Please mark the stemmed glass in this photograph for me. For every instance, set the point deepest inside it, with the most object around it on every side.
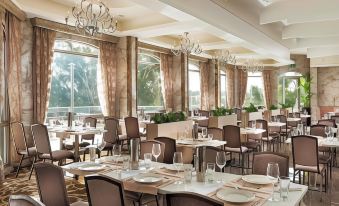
(156, 151)
(273, 174)
(204, 132)
(178, 164)
(327, 131)
(254, 124)
(220, 160)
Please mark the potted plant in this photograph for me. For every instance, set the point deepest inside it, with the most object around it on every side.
(274, 110)
(251, 113)
(305, 92)
(222, 116)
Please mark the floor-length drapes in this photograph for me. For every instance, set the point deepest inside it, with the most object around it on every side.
(166, 67)
(43, 43)
(204, 85)
(230, 86)
(266, 75)
(108, 69)
(242, 82)
(14, 67)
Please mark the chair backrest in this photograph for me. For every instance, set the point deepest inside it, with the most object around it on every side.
(335, 118)
(146, 147)
(217, 133)
(190, 199)
(282, 118)
(112, 127)
(318, 130)
(41, 139)
(204, 113)
(102, 190)
(132, 127)
(19, 137)
(264, 125)
(327, 122)
(170, 148)
(23, 200)
(93, 123)
(294, 114)
(305, 151)
(51, 184)
(211, 154)
(261, 160)
(232, 136)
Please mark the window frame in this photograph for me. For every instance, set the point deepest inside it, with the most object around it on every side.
(189, 69)
(224, 75)
(256, 75)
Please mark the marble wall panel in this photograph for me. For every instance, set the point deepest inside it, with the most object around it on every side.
(328, 86)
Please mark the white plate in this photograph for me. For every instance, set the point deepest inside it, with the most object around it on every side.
(147, 178)
(91, 167)
(173, 168)
(235, 196)
(257, 179)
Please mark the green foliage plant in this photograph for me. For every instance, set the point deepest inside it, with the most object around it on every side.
(305, 90)
(222, 111)
(251, 108)
(273, 107)
(168, 117)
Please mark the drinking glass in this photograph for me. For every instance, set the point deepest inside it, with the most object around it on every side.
(88, 125)
(274, 118)
(92, 153)
(125, 163)
(156, 151)
(116, 154)
(300, 128)
(188, 173)
(148, 160)
(210, 136)
(204, 132)
(254, 124)
(210, 172)
(101, 145)
(221, 162)
(178, 163)
(273, 175)
(284, 187)
(327, 131)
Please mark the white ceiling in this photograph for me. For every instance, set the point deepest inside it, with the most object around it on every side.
(267, 30)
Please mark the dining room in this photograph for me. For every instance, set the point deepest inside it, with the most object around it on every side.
(169, 102)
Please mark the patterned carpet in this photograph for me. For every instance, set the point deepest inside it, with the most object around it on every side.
(21, 185)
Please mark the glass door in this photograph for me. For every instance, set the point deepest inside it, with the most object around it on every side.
(291, 94)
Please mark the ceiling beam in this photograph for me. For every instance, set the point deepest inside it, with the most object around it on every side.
(316, 42)
(331, 61)
(311, 30)
(300, 11)
(218, 45)
(322, 52)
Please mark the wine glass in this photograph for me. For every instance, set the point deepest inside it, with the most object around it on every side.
(220, 160)
(178, 163)
(254, 124)
(273, 175)
(204, 132)
(156, 151)
(327, 131)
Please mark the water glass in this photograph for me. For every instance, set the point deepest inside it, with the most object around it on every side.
(188, 173)
(210, 136)
(204, 132)
(327, 131)
(273, 175)
(178, 163)
(210, 172)
(88, 125)
(284, 187)
(300, 128)
(92, 153)
(125, 163)
(148, 160)
(254, 124)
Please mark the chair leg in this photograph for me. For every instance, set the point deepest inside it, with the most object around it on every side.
(19, 167)
(32, 167)
(299, 177)
(293, 175)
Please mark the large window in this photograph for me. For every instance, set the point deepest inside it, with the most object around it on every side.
(149, 82)
(193, 86)
(288, 90)
(74, 79)
(223, 91)
(255, 90)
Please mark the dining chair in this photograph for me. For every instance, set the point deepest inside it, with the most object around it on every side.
(23, 200)
(132, 127)
(21, 146)
(269, 137)
(335, 118)
(93, 123)
(146, 147)
(203, 123)
(211, 154)
(253, 140)
(51, 185)
(170, 148)
(190, 199)
(285, 130)
(43, 146)
(306, 159)
(216, 132)
(327, 122)
(102, 190)
(318, 130)
(261, 160)
(111, 136)
(233, 139)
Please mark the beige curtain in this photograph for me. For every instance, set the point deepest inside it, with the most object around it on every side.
(43, 43)
(166, 67)
(242, 82)
(204, 103)
(108, 68)
(266, 75)
(230, 86)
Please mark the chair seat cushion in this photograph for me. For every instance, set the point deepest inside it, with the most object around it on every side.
(243, 149)
(32, 151)
(252, 144)
(80, 203)
(310, 168)
(58, 155)
(122, 137)
(267, 139)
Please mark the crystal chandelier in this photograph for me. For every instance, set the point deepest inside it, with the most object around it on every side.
(186, 46)
(93, 16)
(251, 65)
(224, 57)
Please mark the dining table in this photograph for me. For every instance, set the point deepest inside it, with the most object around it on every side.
(167, 178)
(200, 143)
(63, 132)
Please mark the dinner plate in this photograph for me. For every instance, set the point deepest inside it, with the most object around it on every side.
(171, 167)
(91, 167)
(257, 179)
(147, 178)
(235, 196)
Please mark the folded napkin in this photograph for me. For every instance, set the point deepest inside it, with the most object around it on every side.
(131, 185)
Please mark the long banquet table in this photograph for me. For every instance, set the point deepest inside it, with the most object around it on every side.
(167, 186)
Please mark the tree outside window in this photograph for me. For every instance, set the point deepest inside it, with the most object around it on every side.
(255, 90)
(194, 86)
(223, 91)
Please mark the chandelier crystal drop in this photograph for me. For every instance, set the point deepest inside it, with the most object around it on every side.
(224, 57)
(251, 65)
(186, 46)
(92, 17)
